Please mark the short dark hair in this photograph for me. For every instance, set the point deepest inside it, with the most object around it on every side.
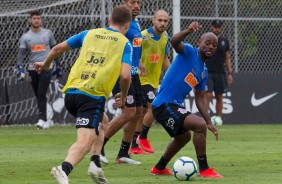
(217, 23)
(35, 12)
(121, 15)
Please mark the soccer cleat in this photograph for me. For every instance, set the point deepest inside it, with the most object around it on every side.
(60, 175)
(46, 124)
(126, 160)
(137, 150)
(40, 124)
(209, 173)
(165, 171)
(97, 174)
(145, 145)
(103, 159)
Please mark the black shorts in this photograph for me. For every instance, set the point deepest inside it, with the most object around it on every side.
(134, 96)
(171, 117)
(87, 110)
(149, 94)
(216, 82)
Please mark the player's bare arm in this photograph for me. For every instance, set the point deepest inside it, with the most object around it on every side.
(142, 69)
(179, 37)
(202, 106)
(53, 54)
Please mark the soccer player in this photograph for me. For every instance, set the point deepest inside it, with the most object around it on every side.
(38, 42)
(134, 100)
(216, 66)
(187, 71)
(105, 55)
(154, 58)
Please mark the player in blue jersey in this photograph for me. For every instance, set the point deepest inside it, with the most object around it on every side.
(187, 72)
(134, 101)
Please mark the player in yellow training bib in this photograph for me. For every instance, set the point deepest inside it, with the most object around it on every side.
(105, 55)
(154, 58)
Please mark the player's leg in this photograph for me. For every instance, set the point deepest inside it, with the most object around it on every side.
(198, 125)
(143, 140)
(172, 149)
(172, 121)
(118, 122)
(90, 112)
(148, 96)
(134, 99)
(128, 133)
(114, 126)
(34, 76)
(219, 89)
(43, 85)
(95, 169)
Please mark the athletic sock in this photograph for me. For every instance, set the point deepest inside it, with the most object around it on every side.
(67, 167)
(123, 151)
(203, 163)
(104, 143)
(96, 160)
(162, 163)
(144, 132)
(134, 143)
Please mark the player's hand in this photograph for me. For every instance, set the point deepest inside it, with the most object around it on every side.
(20, 73)
(142, 69)
(57, 72)
(194, 26)
(119, 100)
(213, 130)
(39, 67)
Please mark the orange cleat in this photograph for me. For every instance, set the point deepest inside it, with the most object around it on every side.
(145, 145)
(209, 173)
(165, 171)
(137, 150)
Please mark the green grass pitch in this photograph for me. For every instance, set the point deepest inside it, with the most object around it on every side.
(244, 154)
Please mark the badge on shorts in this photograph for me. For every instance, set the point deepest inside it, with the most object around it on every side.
(182, 111)
(129, 99)
(151, 95)
(170, 123)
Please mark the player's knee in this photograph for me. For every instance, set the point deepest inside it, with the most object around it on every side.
(202, 126)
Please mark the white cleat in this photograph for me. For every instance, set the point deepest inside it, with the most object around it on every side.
(127, 160)
(47, 124)
(40, 124)
(104, 159)
(97, 174)
(60, 175)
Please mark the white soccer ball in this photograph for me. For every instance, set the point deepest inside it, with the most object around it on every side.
(216, 120)
(184, 168)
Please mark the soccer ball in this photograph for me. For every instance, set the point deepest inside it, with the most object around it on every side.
(184, 168)
(216, 120)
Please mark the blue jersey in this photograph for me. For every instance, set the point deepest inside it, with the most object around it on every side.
(134, 36)
(186, 72)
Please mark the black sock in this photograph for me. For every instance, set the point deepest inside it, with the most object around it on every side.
(96, 160)
(134, 143)
(124, 148)
(103, 150)
(162, 163)
(203, 163)
(67, 167)
(144, 132)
